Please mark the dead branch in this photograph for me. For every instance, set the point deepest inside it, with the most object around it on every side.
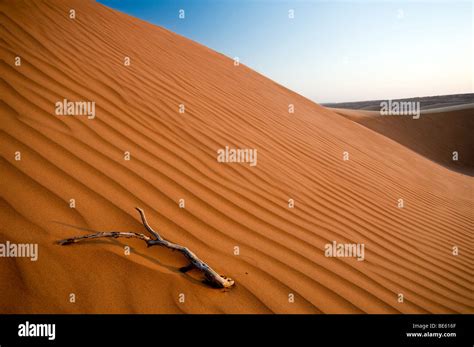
(212, 277)
(114, 234)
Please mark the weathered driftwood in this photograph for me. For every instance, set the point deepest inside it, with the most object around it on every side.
(212, 277)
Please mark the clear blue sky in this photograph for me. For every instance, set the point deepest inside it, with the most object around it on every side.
(333, 51)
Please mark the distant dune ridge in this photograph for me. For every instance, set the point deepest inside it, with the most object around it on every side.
(436, 134)
(236, 216)
(426, 102)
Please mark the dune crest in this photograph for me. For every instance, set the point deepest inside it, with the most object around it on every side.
(236, 216)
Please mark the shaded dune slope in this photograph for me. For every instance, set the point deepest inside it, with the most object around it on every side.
(435, 135)
(173, 156)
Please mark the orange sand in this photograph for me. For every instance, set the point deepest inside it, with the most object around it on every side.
(173, 156)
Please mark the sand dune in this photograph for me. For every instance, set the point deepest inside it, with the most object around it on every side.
(435, 135)
(173, 156)
(427, 103)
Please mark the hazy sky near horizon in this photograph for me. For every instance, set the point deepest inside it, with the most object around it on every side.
(333, 51)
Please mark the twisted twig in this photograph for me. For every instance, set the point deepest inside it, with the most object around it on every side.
(212, 277)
